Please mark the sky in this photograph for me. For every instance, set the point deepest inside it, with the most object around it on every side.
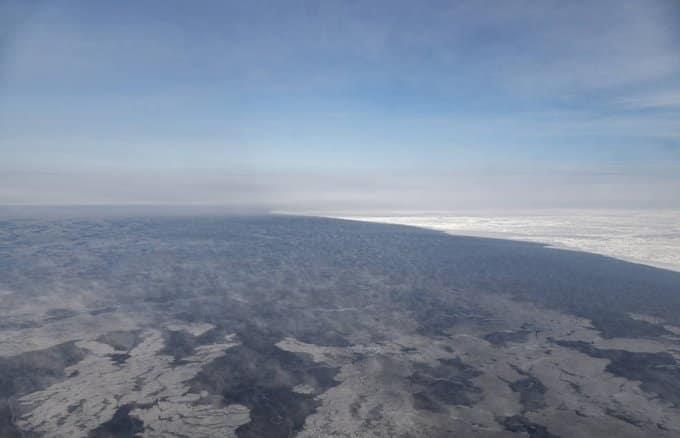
(372, 105)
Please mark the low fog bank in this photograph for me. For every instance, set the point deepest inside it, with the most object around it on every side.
(650, 237)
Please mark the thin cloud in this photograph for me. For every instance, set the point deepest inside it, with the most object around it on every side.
(660, 100)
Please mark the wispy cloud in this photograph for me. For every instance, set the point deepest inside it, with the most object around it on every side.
(660, 100)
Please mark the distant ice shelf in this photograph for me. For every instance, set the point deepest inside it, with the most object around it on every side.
(650, 237)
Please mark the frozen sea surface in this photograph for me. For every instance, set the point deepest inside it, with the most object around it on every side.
(278, 326)
(650, 237)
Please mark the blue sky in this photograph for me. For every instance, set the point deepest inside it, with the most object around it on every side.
(341, 105)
